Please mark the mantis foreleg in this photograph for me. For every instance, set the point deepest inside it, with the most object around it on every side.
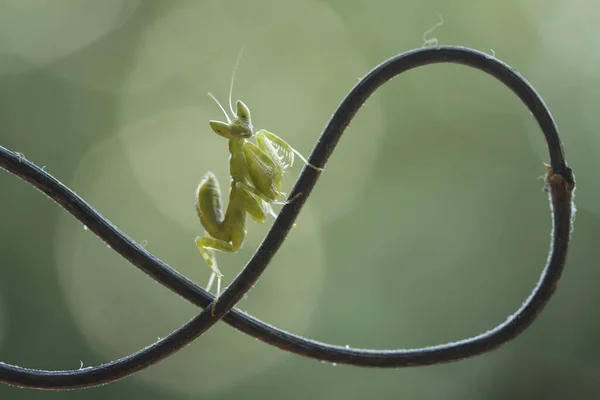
(265, 173)
(267, 141)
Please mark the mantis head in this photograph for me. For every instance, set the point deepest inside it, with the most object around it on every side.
(238, 127)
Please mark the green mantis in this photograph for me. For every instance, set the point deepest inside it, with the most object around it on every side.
(256, 169)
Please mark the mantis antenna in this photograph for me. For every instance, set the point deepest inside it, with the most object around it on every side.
(235, 67)
(212, 96)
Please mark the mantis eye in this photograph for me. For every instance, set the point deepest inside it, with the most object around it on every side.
(221, 128)
(243, 112)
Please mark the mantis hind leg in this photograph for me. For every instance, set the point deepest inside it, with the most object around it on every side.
(218, 233)
(209, 257)
(207, 246)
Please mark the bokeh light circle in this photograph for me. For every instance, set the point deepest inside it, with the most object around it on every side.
(55, 29)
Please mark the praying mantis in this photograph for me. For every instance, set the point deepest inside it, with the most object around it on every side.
(256, 169)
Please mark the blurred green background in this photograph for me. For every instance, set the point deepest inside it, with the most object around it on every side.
(430, 220)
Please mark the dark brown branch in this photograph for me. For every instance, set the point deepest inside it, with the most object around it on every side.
(560, 183)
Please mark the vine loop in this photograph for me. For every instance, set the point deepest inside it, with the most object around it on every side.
(560, 183)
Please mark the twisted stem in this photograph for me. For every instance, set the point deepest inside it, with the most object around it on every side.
(560, 185)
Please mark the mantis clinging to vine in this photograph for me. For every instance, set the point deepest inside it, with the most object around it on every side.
(256, 170)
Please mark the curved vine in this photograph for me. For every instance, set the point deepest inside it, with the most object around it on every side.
(560, 185)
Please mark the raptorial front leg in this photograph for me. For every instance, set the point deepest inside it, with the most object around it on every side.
(253, 190)
(267, 141)
(257, 207)
(265, 172)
